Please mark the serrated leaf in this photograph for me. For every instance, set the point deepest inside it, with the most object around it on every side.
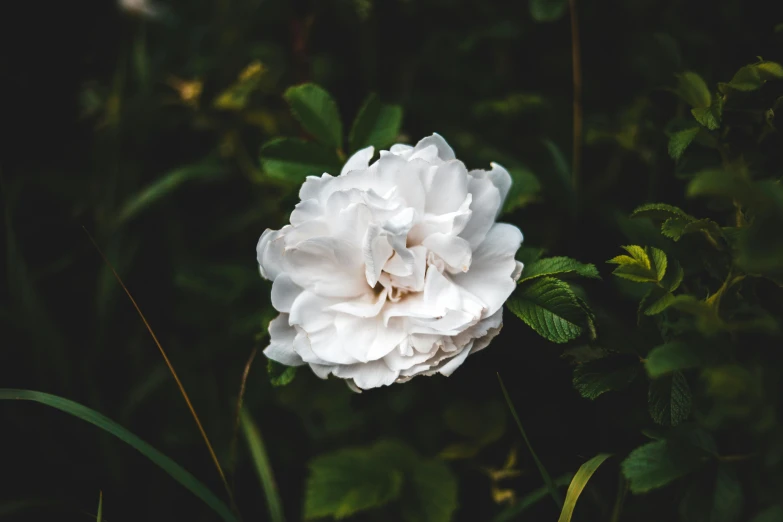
(693, 90)
(293, 160)
(317, 112)
(551, 308)
(658, 463)
(349, 481)
(656, 301)
(528, 255)
(710, 116)
(669, 399)
(279, 374)
(434, 493)
(716, 496)
(547, 10)
(678, 355)
(660, 211)
(613, 373)
(679, 141)
(644, 265)
(376, 124)
(558, 266)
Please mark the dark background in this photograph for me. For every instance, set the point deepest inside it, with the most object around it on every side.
(90, 119)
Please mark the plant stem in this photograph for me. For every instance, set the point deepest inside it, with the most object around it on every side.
(576, 62)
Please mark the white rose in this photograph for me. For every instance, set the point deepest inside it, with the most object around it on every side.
(391, 270)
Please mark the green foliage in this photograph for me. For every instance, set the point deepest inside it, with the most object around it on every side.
(547, 10)
(292, 160)
(354, 480)
(613, 373)
(279, 374)
(559, 267)
(176, 471)
(578, 484)
(260, 459)
(715, 496)
(376, 124)
(753, 77)
(669, 399)
(679, 355)
(644, 265)
(681, 140)
(551, 308)
(693, 90)
(317, 112)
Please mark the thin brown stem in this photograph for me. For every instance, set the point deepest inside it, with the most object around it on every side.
(576, 62)
(240, 398)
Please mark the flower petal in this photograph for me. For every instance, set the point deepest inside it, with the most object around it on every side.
(281, 340)
(359, 160)
(445, 152)
(455, 251)
(284, 292)
(327, 266)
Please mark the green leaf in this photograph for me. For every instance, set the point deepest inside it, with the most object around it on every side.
(613, 373)
(317, 112)
(551, 308)
(351, 480)
(719, 183)
(434, 493)
(669, 399)
(93, 417)
(678, 355)
(376, 124)
(99, 515)
(661, 212)
(679, 141)
(675, 228)
(262, 466)
(547, 10)
(752, 77)
(525, 188)
(558, 266)
(644, 265)
(710, 116)
(715, 497)
(236, 96)
(528, 255)
(293, 160)
(578, 484)
(658, 463)
(483, 422)
(693, 90)
(280, 374)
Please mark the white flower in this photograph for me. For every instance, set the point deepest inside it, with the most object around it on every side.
(391, 270)
(143, 8)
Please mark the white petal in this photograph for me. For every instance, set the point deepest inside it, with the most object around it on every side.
(269, 252)
(485, 205)
(314, 186)
(401, 149)
(306, 210)
(448, 188)
(284, 292)
(445, 152)
(368, 375)
(367, 306)
(281, 340)
(327, 266)
(377, 251)
(490, 274)
(455, 362)
(501, 179)
(455, 251)
(518, 271)
(359, 160)
(309, 311)
(368, 339)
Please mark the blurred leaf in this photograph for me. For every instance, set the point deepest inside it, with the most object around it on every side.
(679, 141)
(237, 95)
(547, 10)
(434, 493)
(93, 417)
(715, 497)
(669, 399)
(317, 112)
(279, 374)
(710, 116)
(612, 373)
(510, 106)
(483, 423)
(293, 160)
(771, 514)
(720, 183)
(528, 255)
(164, 186)
(551, 308)
(525, 188)
(99, 515)
(531, 499)
(644, 265)
(376, 124)
(263, 468)
(677, 355)
(693, 90)
(658, 463)
(578, 484)
(752, 77)
(348, 481)
(558, 266)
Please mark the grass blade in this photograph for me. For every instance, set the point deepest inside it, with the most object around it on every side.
(264, 470)
(99, 516)
(173, 373)
(238, 416)
(578, 484)
(176, 471)
(550, 485)
(530, 499)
